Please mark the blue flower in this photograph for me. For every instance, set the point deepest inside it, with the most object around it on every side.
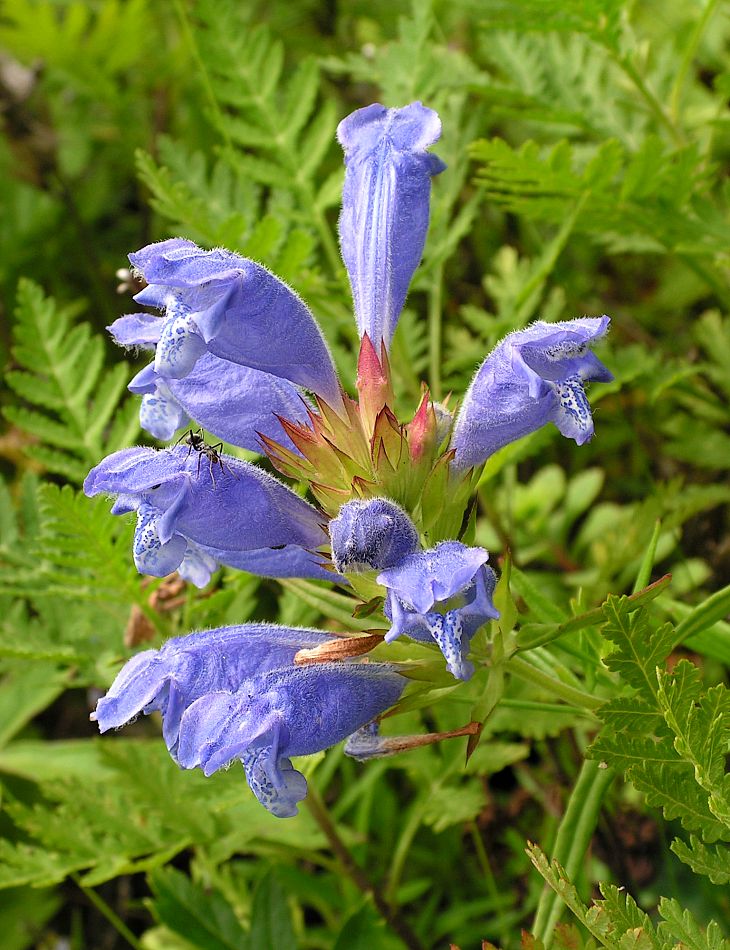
(192, 515)
(233, 402)
(443, 595)
(385, 208)
(220, 303)
(371, 535)
(533, 376)
(235, 693)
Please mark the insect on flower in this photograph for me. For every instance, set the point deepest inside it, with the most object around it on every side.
(196, 443)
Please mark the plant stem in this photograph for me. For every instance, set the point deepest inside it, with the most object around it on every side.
(523, 301)
(651, 100)
(573, 839)
(400, 852)
(356, 874)
(687, 57)
(199, 62)
(569, 694)
(435, 304)
(483, 859)
(114, 919)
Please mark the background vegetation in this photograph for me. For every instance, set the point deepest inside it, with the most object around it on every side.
(587, 147)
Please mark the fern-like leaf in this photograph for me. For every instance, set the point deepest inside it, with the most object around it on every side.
(73, 404)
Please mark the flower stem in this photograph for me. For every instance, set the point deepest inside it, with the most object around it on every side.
(573, 839)
(200, 63)
(688, 56)
(114, 919)
(348, 864)
(569, 694)
(627, 65)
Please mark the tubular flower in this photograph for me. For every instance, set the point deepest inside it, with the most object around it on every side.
(443, 595)
(532, 377)
(190, 517)
(234, 693)
(234, 402)
(385, 208)
(220, 303)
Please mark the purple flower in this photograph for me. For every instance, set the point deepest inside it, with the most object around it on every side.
(233, 402)
(234, 693)
(193, 513)
(533, 376)
(220, 303)
(443, 595)
(385, 208)
(283, 713)
(371, 535)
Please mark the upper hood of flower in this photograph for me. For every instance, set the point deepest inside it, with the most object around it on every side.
(234, 308)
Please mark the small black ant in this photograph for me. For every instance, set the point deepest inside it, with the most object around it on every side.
(196, 443)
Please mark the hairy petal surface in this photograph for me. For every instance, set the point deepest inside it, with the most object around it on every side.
(220, 303)
(235, 403)
(385, 208)
(442, 595)
(170, 679)
(532, 377)
(189, 506)
(283, 713)
(371, 535)
(290, 560)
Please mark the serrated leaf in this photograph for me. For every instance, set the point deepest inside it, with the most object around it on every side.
(447, 806)
(639, 649)
(678, 924)
(711, 860)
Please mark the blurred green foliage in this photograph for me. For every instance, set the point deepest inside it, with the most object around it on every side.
(587, 148)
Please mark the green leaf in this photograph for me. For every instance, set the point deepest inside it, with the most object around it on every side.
(678, 924)
(716, 607)
(271, 924)
(448, 806)
(61, 376)
(711, 860)
(639, 649)
(364, 930)
(24, 692)
(203, 917)
(22, 914)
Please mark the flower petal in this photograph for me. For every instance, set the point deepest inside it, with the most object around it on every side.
(532, 377)
(385, 208)
(283, 713)
(235, 403)
(136, 329)
(443, 595)
(198, 664)
(232, 506)
(237, 310)
(371, 535)
(426, 577)
(287, 561)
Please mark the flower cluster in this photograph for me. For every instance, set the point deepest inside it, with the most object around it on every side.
(239, 354)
